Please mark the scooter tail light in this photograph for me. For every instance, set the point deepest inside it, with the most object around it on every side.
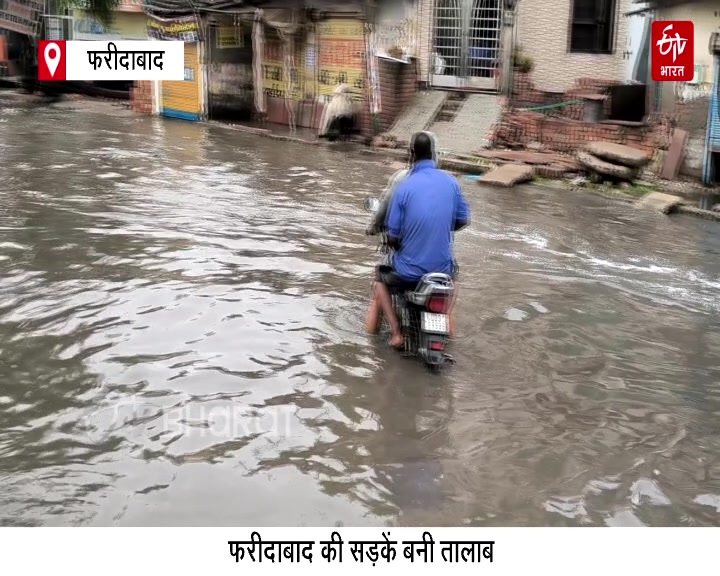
(437, 346)
(438, 304)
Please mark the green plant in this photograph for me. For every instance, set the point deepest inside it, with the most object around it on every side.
(638, 190)
(100, 9)
(522, 62)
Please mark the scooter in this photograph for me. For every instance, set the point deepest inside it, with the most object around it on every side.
(424, 313)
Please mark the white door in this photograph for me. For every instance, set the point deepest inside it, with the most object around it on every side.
(466, 47)
(638, 26)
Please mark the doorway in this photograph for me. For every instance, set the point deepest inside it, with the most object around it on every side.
(467, 43)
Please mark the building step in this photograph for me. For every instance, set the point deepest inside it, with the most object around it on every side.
(419, 115)
(452, 105)
(468, 129)
(457, 96)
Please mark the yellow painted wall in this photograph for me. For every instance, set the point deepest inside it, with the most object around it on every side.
(275, 82)
(184, 96)
(341, 56)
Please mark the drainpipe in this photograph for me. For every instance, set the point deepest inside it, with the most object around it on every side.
(709, 165)
(509, 47)
(654, 93)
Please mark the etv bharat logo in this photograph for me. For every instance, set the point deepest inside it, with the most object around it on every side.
(672, 51)
(667, 43)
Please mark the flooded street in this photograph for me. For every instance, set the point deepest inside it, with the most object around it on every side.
(181, 343)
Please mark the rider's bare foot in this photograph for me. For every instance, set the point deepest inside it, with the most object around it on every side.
(397, 341)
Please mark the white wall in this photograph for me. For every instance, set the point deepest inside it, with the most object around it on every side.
(396, 26)
(706, 17)
(543, 32)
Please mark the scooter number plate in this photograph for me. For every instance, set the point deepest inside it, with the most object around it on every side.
(435, 323)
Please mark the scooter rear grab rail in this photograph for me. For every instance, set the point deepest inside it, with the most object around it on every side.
(431, 284)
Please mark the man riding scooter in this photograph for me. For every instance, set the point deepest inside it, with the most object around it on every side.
(423, 211)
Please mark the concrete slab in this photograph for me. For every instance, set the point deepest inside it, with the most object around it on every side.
(619, 154)
(507, 175)
(660, 202)
(595, 164)
(675, 155)
(419, 115)
(529, 157)
(468, 132)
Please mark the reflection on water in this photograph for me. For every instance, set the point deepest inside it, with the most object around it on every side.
(708, 201)
(181, 312)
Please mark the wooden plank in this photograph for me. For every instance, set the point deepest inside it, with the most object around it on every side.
(675, 155)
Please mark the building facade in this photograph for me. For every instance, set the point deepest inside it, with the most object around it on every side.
(129, 23)
(229, 70)
(64, 23)
(690, 103)
(182, 99)
(281, 63)
(461, 43)
(469, 44)
(571, 39)
(705, 16)
(694, 104)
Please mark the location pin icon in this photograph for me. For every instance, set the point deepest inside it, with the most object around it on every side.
(52, 57)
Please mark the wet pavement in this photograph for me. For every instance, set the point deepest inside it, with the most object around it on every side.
(181, 314)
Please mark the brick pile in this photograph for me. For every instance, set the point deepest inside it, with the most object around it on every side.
(519, 128)
(141, 97)
(526, 95)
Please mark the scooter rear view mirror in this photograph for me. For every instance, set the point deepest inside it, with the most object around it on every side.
(372, 204)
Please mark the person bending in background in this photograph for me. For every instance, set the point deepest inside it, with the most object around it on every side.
(425, 210)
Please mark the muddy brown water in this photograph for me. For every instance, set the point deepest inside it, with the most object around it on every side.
(181, 312)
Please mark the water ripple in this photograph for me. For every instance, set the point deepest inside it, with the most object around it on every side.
(181, 312)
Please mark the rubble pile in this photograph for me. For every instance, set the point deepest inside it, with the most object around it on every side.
(607, 161)
(546, 164)
(517, 128)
